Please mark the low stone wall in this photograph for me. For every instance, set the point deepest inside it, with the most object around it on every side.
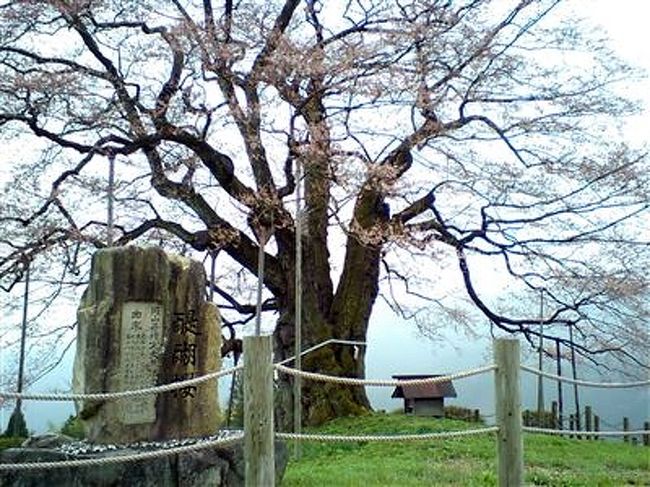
(219, 467)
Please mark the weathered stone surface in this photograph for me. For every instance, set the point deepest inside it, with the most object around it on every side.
(47, 440)
(220, 467)
(144, 321)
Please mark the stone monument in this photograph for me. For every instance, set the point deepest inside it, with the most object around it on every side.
(144, 321)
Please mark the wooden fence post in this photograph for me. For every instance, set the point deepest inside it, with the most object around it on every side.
(597, 426)
(259, 447)
(646, 437)
(571, 423)
(588, 416)
(510, 446)
(626, 427)
(553, 424)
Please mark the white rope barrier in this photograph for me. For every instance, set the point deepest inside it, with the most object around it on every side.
(532, 429)
(383, 383)
(103, 396)
(322, 344)
(604, 385)
(384, 438)
(134, 457)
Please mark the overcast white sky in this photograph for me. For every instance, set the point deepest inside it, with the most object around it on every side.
(626, 22)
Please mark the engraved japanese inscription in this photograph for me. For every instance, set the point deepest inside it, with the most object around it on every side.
(184, 355)
(141, 346)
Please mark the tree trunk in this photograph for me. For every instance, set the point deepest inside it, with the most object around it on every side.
(326, 315)
(321, 401)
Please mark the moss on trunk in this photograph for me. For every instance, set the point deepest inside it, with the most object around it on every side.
(321, 401)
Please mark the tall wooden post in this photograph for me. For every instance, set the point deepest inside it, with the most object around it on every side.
(259, 448)
(596, 426)
(646, 437)
(510, 446)
(626, 427)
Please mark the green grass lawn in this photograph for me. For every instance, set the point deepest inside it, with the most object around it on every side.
(465, 461)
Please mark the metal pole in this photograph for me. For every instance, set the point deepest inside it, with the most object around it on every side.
(111, 186)
(213, 255)
(23, 337)
(575, 377)
(297, 380)
(2, 374)
(260, 282)
(560, 401)
(540, 380)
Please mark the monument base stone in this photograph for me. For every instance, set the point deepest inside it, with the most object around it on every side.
(214, 467)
